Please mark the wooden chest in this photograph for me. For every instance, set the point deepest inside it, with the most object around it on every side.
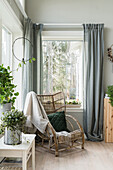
(108, 121)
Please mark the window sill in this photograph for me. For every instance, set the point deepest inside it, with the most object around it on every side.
(73, 105)
(74, 108)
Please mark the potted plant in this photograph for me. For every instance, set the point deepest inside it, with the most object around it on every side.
(110, 94)
(73, 103)
(12, 124)
(7, 94)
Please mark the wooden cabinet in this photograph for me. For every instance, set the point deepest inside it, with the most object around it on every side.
(108, 121)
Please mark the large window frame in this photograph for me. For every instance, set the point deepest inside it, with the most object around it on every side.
(8, 51)
(68, 36)
(9, 20)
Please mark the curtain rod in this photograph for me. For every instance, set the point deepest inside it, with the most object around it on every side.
(60, 24)
(64, 24)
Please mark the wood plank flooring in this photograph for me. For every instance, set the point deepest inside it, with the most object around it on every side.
(95, 156)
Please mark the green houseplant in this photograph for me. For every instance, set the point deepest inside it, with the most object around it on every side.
(7, 94)
(110, 94)
(73, 103)
(12, 124)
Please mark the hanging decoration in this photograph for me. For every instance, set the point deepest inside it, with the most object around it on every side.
(110, 53)
(23, 59)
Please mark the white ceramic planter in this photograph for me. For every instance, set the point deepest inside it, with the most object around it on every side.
(12, 137)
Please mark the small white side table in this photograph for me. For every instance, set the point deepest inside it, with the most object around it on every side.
(23, 150)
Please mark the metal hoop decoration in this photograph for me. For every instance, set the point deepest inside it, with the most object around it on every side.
(110, 53)
(23, 60)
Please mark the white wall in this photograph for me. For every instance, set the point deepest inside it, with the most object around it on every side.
(77, 11)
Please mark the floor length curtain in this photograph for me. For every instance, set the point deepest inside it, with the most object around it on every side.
(39, 60)
(93, 81)
(32, 72)
(38, 64)
(27, 69)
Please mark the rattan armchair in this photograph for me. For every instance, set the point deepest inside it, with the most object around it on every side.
(54, 103)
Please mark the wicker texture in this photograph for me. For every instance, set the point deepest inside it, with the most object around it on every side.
(75, 135)
(10, 168)
(54, 103)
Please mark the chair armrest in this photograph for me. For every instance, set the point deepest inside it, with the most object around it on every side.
(77, 122)
(52, 130)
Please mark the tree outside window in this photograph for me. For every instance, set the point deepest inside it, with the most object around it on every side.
(62, 68)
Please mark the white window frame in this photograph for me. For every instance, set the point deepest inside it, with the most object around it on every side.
(62, 35)
(65, 35)
(9, 20)
(4, 27)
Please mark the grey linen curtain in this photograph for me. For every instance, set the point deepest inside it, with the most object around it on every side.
(32, 72)
(27, 76)
(38, 64)
(39, 60)
(93, 81)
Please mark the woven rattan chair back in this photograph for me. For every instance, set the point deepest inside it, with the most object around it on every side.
(53, 102)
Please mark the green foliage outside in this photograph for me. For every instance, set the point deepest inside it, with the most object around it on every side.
(7, 94)
(55, 68)
(62, 68)
(110, 94)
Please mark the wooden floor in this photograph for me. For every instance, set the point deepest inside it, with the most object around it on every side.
(95, 156)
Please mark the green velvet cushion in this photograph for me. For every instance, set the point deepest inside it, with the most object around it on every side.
(58, 121)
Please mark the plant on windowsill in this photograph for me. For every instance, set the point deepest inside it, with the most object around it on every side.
(110, 94)
(73, 103)
(12, 124)
(7, 94)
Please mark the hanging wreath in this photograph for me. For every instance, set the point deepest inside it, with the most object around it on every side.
(23, 59)
(110, 53)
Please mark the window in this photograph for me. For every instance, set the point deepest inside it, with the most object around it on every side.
(6, 47)
(11, 28)
(62, 68)
(7, 60)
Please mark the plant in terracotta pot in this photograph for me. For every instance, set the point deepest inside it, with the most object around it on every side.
(12, 124)
(7, 94)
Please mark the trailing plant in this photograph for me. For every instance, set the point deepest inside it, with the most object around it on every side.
(110, 94)
(25, 62)
(14, 119)
(7, 94)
